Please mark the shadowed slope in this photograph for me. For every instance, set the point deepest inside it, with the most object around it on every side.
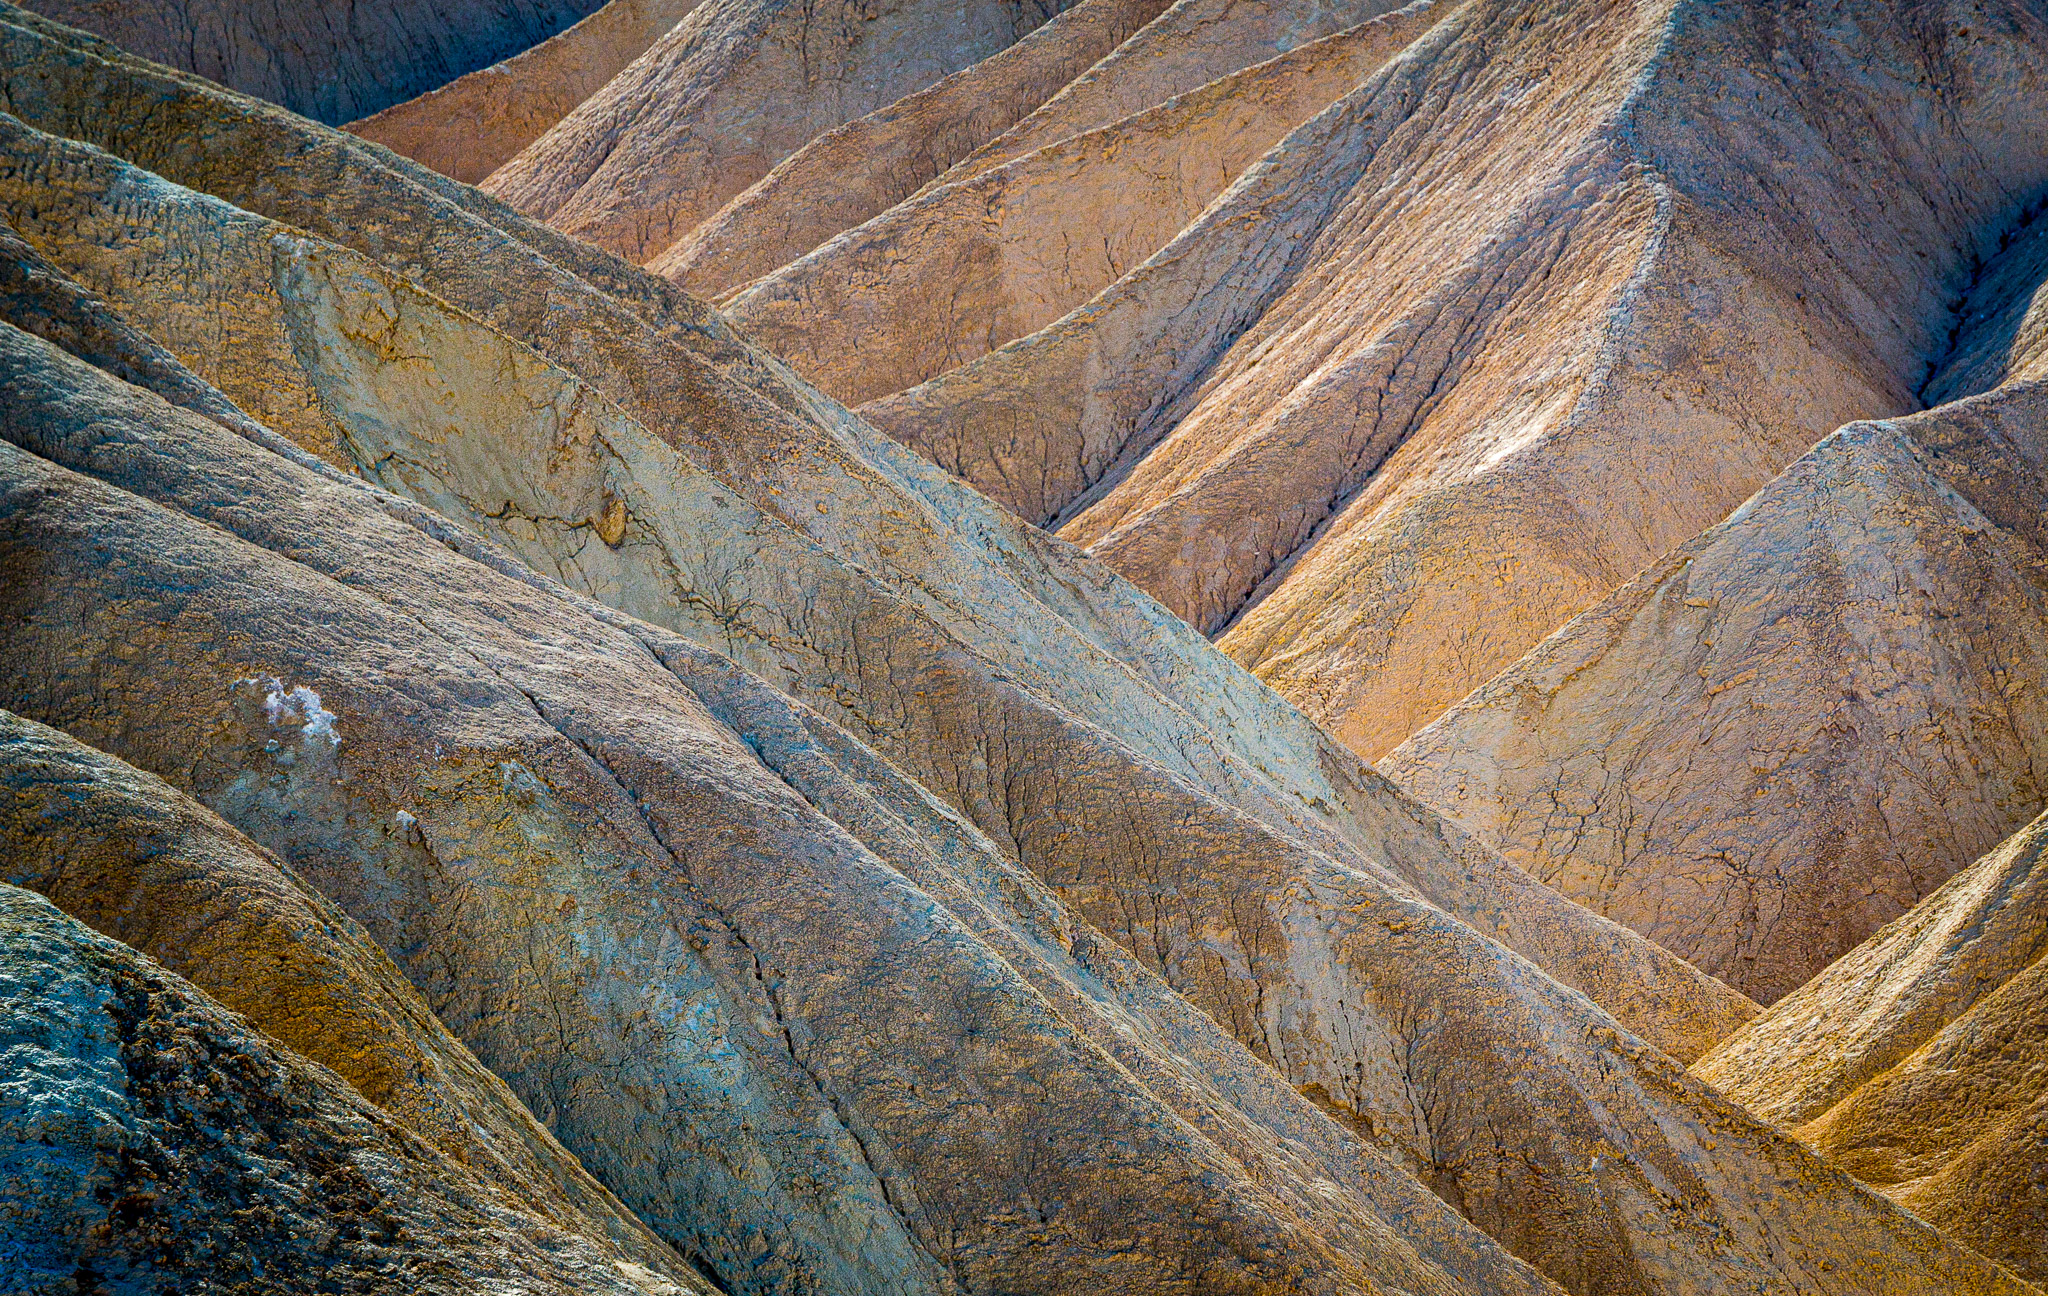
(150, 1140)
(331, 61)
(476, 123)
(141, 863)
(1919, 1061)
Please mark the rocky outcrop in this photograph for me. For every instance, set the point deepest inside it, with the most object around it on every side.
(332, 62)
(729, 92)
(834, 861)
(870, 164)
(966, 267)
(477, 123)
(141, 863)
(150, 1140)
(1430, 379)
(1917, 1060)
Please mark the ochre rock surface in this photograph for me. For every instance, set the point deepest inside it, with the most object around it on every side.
(1918, 1060)
(730, 91)
(151, 1140)
(965, 267)
(141, 863)
(331, 60)
(870, 164)
(1535, 304)
(476, 123)
(834, 862)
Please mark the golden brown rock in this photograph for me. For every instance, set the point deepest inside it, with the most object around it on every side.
(965, 267)
(1531, 307)
(476, 123)
(861, 169)
(1918, 1060)
(730, 91)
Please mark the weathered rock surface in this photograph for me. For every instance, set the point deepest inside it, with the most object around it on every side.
(965, 267)
(141, 863)
(1540, 301)
(1787, 732)
(837, 956)
(870, 164)
(1918, 1060)
(333, 61)
(150, 1140)
(477, 123)
(730, 91)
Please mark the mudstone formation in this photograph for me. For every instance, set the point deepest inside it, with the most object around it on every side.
(1140, 646)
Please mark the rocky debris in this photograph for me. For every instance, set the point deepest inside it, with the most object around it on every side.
(478, 122)
(141, 863)
(1918, 1061)
(747, 480)
(968, 266)
(729, 92)
(835, 957)
(870, 164)
(151, 1140)
(1535, 304)
(330, 61)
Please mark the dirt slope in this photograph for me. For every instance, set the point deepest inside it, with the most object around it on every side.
(1918, 1061)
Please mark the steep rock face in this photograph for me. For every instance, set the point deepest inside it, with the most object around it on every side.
(477, 123)
(1534, 305)
(329, 61)
(139, 862)
(684, 915)
(966, 267)
(1918, 1059)
(744, 482)
(151, 1141)
(1851, 702)
(733, 89)
(870, 164)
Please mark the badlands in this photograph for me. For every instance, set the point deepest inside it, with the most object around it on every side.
(1024, 646)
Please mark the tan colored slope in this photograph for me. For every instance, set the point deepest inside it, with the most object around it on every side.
(476, 123)
(1534, 305)
(863, 168)
(904, 1010)
(152, 1140)
(729, 92)
(142, 864)
(1193, 43)
(829, 951)
(331, 61)
(954, 274)
(2001, 334)
(1918, 1061)
(728, 451)
(1786, 733)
